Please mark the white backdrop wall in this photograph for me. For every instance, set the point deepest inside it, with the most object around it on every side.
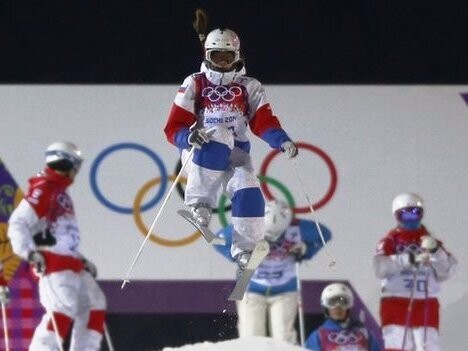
(383, 140)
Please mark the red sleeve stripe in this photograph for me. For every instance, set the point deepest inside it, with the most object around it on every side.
(39, 197)
(178, 119)
(263, 120)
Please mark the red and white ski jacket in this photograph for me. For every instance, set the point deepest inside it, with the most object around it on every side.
(45, 220)
(236, 104)
(402, 282)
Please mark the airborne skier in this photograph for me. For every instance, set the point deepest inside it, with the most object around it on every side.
(225, 101)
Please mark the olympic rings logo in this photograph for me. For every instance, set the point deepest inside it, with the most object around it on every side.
(161, 182)
(221, 92)
(344, 337)
(331, 169)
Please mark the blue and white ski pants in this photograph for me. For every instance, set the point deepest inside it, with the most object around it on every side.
(219, 167)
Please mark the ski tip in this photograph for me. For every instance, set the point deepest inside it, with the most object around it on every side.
(233, 297)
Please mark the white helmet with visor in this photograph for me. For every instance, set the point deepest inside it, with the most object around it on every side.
(406, 200)
(337, 294)
(222, 40)
(408, 210)
(63, 156)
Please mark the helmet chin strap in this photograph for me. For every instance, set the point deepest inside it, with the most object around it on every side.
(220, 78)
(222, 69)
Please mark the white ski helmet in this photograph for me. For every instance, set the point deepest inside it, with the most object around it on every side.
(63, 156)
(406, 200)
(222, 40)
(337, 294)
(278, 216)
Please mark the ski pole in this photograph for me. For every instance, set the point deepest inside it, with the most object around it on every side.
(309, 203)
(108, 338)
(5, 327)
(300, 307)
(410, 307)
(49, 312)
(426, 296)
(150, 230)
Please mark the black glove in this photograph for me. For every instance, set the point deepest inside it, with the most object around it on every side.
(37, 260)
(197, 138)
(90, 267)
(44, 238)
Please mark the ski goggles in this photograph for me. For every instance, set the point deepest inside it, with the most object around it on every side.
(410, 214)
(74, 162)
(338, 301)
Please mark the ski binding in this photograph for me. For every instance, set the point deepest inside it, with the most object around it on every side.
(209, 236)
(261, 250)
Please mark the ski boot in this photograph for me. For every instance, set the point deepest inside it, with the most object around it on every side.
(199, 216)
(242, 260)
(247, 263)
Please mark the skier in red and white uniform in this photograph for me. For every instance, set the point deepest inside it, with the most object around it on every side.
(43, 230)
(412, 264)
(224, 101)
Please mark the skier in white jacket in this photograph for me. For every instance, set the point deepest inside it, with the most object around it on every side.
(270, 305)
(43, 230)
(224, 100)
(411, 264)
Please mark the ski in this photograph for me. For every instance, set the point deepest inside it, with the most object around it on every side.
(261, 250)
(209, 236)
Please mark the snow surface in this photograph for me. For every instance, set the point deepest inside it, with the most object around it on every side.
(254, 343)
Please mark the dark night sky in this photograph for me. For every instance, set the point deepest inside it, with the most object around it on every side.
(284, 42)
